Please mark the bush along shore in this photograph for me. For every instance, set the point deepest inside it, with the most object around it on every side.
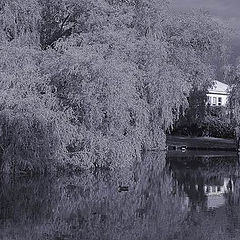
(91, 84)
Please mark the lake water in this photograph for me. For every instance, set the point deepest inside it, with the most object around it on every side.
(176, 197)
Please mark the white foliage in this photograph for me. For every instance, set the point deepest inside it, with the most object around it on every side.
(118, 83)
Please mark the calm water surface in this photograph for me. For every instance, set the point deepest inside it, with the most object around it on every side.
(164, 197)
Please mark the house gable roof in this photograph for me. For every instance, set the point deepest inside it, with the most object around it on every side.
(219, 87)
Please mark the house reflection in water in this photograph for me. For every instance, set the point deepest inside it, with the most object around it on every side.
(216, 193)
(206, 185)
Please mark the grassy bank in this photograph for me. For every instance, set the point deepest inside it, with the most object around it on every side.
(202, 143)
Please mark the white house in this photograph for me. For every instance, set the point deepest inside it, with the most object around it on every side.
(218, 94)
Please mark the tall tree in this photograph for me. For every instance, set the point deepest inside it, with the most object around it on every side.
(115, 72)
(19, 21)
(232, 75)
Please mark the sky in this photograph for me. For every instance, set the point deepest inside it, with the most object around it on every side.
(227, 11)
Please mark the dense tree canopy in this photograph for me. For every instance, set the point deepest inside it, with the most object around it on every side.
(232, 75)
(98, 80)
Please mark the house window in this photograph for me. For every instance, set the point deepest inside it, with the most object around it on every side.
(219, 101)
(214, 101)
(209, 100)
(214, 189)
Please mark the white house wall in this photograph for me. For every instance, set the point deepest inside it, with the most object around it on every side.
(224, 98)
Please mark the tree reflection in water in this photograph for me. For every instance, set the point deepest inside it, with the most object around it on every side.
(210, 186)
(161, 201)
(206, 183)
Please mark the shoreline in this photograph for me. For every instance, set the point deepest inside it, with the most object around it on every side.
(200, 143)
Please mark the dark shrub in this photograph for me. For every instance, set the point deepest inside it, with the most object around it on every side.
(216, 123)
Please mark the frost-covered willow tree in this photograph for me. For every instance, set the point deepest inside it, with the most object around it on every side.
(32, 129)
(104, 79)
